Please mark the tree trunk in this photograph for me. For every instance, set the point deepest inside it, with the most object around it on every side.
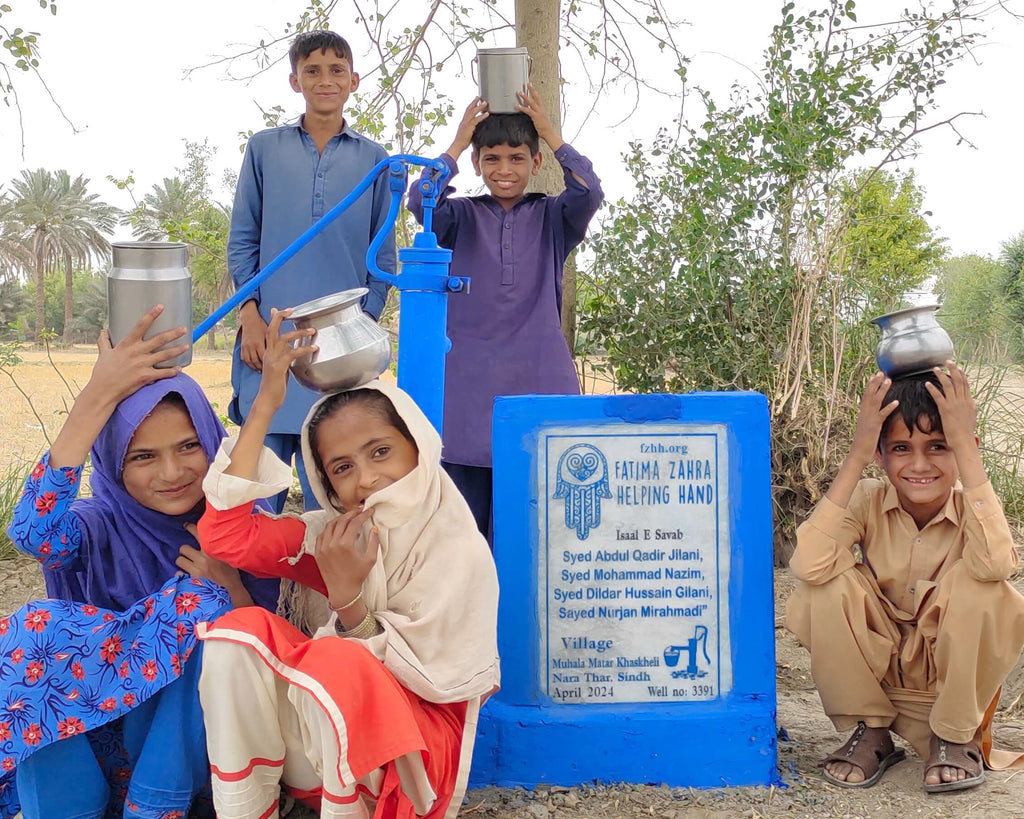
(69, 294)
(40, 295)
(537, 25)
(537, 28)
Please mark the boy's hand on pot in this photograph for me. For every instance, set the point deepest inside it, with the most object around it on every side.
(278, 357)
(957, 407)
(345, 555)
(119, 371)
(531, 105)
(870, 417)
(476, 113)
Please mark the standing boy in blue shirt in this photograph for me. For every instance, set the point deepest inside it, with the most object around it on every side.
(506, 333)
(290, 177)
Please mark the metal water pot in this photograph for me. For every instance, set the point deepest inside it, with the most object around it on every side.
(143, 275)
(353, 348)
(912, 342)
(503, 73)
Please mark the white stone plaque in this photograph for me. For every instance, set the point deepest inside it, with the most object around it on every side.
(633, 575)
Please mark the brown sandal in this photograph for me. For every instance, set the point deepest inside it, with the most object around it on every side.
(967, 757)
(873, 761)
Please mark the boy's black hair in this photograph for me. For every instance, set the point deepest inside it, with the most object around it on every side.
(916, 408)
(376, 403)
(506, 129)
(309, 41)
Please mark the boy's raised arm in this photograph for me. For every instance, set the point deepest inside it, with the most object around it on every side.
(865, 442)
(476, 112)
(959, 413)
(989, 552)
(825, 540)
(531, 105)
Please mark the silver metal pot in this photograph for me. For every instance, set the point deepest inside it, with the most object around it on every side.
(912, 342)
(143, 275)
(503, 73)
(353, 348)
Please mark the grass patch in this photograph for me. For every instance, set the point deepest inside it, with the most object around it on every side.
(1000, 397)
(12, 482)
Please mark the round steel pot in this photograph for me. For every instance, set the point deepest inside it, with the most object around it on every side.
(353, 348)
(912, 342)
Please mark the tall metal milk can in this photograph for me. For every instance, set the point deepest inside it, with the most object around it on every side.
(503, 73)
(144, 274)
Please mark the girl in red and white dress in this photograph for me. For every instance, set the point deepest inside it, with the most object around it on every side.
(375, 713)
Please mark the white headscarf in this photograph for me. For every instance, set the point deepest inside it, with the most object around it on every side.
(434, 588)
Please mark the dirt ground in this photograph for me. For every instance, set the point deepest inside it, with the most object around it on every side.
(805, 735)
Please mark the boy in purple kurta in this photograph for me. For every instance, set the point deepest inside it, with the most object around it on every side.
(506, 333)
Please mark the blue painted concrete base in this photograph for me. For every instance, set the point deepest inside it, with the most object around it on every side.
(633, 541)
(569, 745)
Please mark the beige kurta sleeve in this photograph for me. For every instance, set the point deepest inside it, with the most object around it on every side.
(825, 541)
(989, 553)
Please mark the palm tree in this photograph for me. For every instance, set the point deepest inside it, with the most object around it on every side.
(81, 234)
(14, 257)
(163, 212)
(61, 224)
(180, 211)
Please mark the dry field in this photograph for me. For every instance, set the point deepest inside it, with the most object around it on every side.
(21, 433)
(805, 735)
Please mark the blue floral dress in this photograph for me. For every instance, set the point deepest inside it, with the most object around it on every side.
(97, 689)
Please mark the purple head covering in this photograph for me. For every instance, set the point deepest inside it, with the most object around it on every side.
(128, 550)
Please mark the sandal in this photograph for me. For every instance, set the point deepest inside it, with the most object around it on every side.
(873, 761)
(967, 757)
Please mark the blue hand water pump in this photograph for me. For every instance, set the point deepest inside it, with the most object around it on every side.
(423, 285)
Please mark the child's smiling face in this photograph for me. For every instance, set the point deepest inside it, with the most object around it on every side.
(362, 453)
(165, 464)
(325, 79)
(921, 467)
(506, 171)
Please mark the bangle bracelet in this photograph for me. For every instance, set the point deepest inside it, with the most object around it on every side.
(349, 604)
(367, 628)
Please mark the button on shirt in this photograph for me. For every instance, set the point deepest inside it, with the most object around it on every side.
(285, 186)
(906, 562)
(506, 333)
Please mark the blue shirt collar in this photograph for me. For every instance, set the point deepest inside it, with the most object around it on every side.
(345, 129)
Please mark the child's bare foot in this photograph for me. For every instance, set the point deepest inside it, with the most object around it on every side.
(953, 766)
(861, 762)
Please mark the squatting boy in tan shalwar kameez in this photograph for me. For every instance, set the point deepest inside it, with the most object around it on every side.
(904, 602)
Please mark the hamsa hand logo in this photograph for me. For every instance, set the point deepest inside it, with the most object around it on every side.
(582, 481)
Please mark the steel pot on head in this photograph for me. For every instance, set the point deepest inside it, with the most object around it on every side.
(912, 342)
(143, 275)
(352, 347)
(504, 72)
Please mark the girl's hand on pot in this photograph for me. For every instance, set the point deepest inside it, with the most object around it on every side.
(121, 370)
(278, 357)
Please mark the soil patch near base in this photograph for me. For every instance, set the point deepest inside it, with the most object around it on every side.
(805, 737)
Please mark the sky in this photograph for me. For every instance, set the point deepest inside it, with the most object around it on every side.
(118, 70)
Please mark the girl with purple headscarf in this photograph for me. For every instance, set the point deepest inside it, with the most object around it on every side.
(98, 686)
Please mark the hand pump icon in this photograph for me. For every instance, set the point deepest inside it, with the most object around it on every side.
(691, 672)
